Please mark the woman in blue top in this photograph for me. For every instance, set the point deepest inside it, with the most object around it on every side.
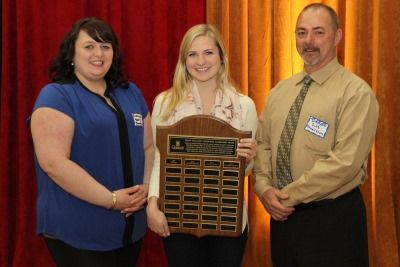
(94, 153)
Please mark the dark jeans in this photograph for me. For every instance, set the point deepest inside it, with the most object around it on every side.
(65, 255)
(329, 233)
(184, 250)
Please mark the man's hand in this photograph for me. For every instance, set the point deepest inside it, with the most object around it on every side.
(271, 200)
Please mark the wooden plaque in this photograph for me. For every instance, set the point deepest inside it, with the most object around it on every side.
(201, 176)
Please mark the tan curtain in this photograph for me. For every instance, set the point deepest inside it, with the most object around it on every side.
(259, 36)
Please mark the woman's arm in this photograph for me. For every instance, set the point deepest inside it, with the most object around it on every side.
(156, 219)
(148, 146)
(247, 147)
(52, 133)
(139, 198)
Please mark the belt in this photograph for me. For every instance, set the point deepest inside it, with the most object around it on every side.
(324, 202)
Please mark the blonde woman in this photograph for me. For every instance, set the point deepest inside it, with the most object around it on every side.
(201, 86)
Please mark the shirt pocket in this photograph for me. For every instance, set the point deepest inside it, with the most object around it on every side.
(318, 134)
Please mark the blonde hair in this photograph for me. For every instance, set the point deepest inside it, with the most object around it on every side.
(182, 79)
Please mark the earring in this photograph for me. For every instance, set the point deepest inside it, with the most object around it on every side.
(72, 64)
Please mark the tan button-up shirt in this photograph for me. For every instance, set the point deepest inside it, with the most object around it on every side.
(333, 138)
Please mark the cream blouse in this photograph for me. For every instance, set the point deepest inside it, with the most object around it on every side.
(235, 108)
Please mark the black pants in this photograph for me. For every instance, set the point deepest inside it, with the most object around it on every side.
(66, 256)
(184, 250)
(329, 233)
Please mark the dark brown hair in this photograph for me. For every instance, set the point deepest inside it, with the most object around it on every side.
(61, 69)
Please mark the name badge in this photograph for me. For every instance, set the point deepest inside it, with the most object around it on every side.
(317, 127)
(137, 119)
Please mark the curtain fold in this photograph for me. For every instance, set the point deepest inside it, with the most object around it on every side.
(149, 33)
(385, 80)
(262, 51)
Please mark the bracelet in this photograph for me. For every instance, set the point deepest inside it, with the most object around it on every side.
(114, 199)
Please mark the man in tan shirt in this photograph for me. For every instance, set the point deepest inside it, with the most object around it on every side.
(317, 211)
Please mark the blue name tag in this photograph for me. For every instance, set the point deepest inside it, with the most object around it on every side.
(317, 127)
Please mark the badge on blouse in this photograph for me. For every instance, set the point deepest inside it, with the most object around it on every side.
(317, 127)
(138, 119)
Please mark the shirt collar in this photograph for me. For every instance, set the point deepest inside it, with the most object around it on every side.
(320, 76)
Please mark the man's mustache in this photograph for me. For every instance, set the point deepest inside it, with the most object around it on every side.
(310, 49)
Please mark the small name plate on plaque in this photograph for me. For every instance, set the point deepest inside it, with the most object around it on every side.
(201, 176)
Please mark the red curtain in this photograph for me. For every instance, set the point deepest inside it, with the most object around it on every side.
(149, 33)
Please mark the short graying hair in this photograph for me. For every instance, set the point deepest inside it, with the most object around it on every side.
(331, 11)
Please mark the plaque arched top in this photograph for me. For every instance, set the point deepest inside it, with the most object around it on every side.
(203, 125)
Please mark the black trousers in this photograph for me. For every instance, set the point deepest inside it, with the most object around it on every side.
(328, 233)
(184, 250)
(65, 255)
